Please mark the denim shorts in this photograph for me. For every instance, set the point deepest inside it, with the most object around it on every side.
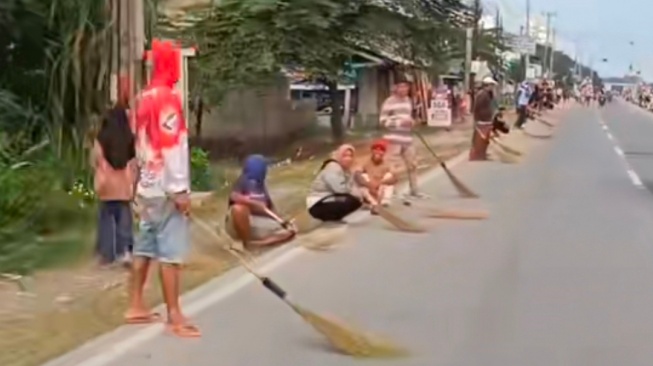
(162, 232)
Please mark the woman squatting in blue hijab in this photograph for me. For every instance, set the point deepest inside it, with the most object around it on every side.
(249, 219)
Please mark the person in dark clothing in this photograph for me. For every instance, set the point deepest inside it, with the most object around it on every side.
(113, 159)
(483, 115)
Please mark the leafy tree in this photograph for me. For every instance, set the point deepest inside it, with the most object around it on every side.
(248, 43)
(564, 67)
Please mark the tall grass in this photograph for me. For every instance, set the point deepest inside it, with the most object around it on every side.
(78, 69)
(45, 138)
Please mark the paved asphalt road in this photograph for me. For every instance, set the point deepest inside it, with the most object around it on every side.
(631, 129)
(561, 274)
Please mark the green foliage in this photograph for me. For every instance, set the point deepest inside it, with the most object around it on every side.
(53, 72)
(32, 204)
(200, 167)
(564, 66)
(515, 70)
(246, 43)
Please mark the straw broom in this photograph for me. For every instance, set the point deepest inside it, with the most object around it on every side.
(439, 213)
(462, 189)
(536, 136)
(505, 147)
(391, 218)
(545, 122)
(500, 149)
(315, 234)
(397, 221)
(504, 157)
(496, 141)
(315, 242)
(324, 238)
(342, 337)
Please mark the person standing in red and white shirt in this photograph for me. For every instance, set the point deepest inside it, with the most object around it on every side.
(163, 190)
(397, 118)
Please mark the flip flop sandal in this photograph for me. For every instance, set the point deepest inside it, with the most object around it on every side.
(144, 319)
(184, 330)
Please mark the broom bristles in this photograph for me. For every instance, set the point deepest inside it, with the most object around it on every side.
(351, 341)
(545, 122)
(547, 136)
(398, 222)
(322, 239)
(506, 158)
(439, 213)
(507, 148)
(462, 189)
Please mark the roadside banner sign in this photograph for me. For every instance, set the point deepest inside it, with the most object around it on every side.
(440, 111)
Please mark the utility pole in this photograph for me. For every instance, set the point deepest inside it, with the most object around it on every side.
(499, 36)
(547, 46)
(527, 59)
(127, 41)
(575, 61)
(553, 43)
(469, 34)
(136, 42)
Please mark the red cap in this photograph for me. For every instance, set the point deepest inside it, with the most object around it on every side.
(380, 144)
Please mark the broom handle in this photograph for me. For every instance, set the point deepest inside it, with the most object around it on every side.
(204, 226)
(430, 149)
(285, 224)
(267, 282)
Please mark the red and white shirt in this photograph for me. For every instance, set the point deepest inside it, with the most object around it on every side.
(162, 144)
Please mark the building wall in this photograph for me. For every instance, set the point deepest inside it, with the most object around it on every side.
(368, 97)
(538, 29)
(374, 86)
(254, 120)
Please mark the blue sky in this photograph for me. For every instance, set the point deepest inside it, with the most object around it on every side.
(600, 29)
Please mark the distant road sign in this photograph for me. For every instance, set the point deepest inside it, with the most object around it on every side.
(524, 45)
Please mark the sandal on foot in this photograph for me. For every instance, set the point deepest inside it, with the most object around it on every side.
(143, 319)
(184, 330)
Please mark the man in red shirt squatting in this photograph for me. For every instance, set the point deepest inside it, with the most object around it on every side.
(163, 190)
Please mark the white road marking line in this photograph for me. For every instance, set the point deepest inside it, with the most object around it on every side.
(635, 178)
(619, 152)
(112, 351)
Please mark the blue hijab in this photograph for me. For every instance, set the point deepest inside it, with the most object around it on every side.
(252, 179)
(255, 168)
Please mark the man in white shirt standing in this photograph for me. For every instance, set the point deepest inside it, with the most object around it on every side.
(397, 118)
(163, 191)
